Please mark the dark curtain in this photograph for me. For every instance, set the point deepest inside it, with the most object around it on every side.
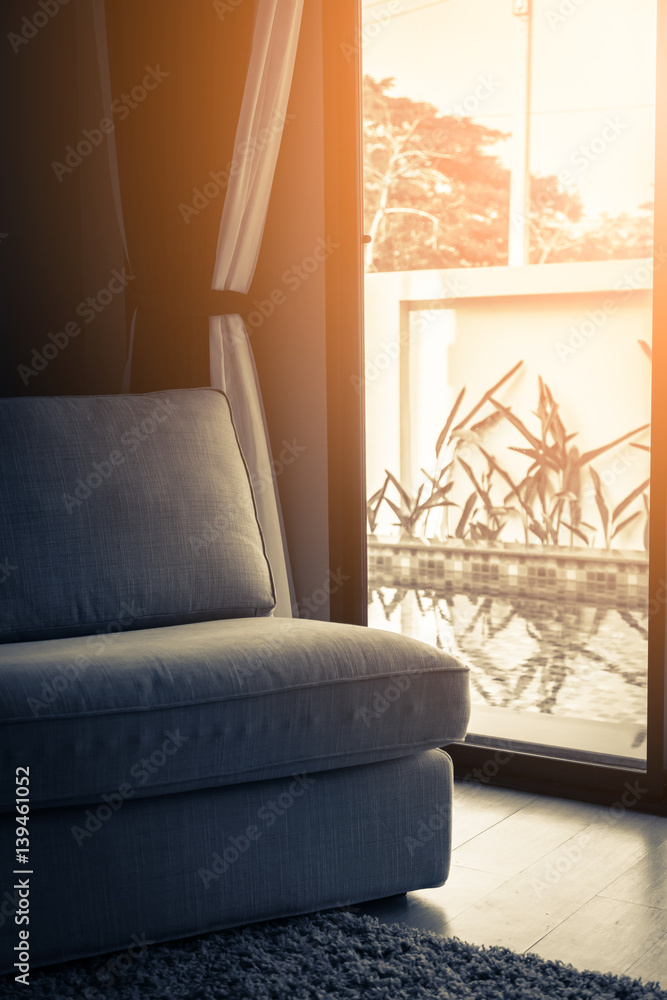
(183, 66)
(40, 220)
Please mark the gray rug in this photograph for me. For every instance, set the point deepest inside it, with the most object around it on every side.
(336, 954)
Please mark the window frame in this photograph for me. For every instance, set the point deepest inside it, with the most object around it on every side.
(588, 781)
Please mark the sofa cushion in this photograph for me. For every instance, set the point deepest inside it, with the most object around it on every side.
(125, 511)
(218, 703)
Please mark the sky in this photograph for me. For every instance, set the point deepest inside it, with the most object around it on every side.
(593, 81)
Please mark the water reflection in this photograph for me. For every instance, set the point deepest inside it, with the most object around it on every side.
(575, 660)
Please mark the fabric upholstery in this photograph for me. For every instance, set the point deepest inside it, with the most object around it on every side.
(219, 703)
(125, 512)
(176, 865)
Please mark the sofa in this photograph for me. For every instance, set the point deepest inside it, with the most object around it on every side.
(175, 759)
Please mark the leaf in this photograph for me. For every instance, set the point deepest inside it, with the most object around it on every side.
(435, 502)
(436, 482)
(590, 455)
(488, 394)
(539, 458)
(624, 524)
(538, 530)
(403, 521)
(480, 489)
(513, 419)
(469, 504)
(437, 488)
(601, 503)
(377, 494)
(487, 423)
(576, 531)
(646, 348)
(542, 485)
(405, 497)
(442, 436)
(618, 510)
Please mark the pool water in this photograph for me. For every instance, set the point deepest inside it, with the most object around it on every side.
(572, 660)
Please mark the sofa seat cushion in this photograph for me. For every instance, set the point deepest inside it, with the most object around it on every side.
(216, 703)
(135, 508)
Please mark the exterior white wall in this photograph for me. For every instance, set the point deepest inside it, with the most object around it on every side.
(576, 325)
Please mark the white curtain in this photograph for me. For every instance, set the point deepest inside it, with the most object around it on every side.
(263, 113)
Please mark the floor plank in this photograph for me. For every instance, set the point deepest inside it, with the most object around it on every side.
(645, 882)
(606, 935)
(479, 807)
(430, 909)
(524, 837)
(531, 904)
(575, 882)
(652, 966)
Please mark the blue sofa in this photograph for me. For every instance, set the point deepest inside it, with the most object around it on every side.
(187, 761)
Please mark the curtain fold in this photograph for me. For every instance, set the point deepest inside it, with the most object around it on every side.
(192, 169)
(261, 122)
(177, 80)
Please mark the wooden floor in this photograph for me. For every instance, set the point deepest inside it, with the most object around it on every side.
(567, 880)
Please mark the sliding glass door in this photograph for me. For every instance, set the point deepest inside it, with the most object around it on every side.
(509, 190)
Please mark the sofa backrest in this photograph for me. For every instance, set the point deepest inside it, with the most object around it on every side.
(125, 512)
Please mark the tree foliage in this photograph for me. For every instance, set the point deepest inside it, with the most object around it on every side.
(436, 195)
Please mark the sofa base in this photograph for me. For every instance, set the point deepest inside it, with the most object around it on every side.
(154, 869)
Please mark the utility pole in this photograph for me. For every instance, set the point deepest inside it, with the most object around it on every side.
(519, 235)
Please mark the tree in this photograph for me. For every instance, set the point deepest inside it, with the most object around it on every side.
(437, 196)
(433, 196)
